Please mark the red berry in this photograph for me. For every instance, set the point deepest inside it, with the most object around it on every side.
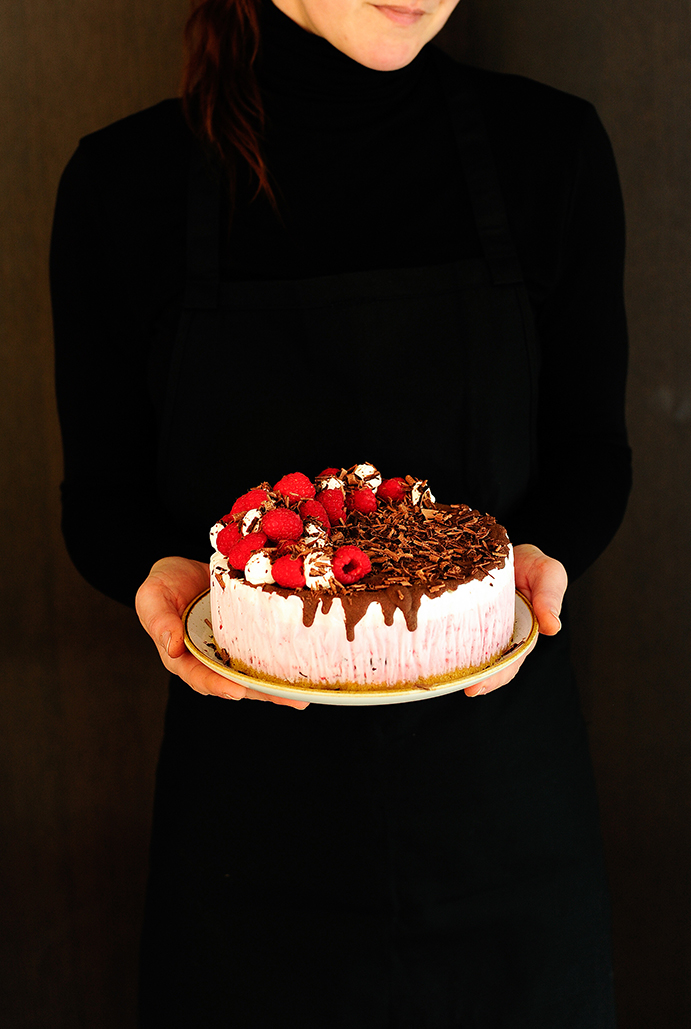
(313, 509)
(227, 538)
(350, 564)
(392, 489)
(248, 501)
(295, 485)
(329, 473)
(363, 500)
(333, 503)
(287, 571)
(282, 524)
(240, 553)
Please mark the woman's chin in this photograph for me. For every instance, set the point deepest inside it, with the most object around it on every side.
(385, 57)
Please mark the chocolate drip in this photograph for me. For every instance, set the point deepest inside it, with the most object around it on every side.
(396, 597)
(309, 607)
(404, 599)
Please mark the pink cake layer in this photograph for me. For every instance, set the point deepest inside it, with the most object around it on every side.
(262, 631)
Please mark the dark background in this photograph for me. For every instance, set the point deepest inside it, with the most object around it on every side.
(82, 694)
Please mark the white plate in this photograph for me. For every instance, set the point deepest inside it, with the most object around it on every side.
(200, 642)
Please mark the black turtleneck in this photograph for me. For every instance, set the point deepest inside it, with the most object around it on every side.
(368, 176)
(356, 156)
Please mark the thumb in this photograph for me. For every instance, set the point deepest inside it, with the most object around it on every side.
(547, 598)
(543, 580)
(158, 614)
(547, 610)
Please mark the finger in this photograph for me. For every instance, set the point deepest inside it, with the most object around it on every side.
(202, 679)
(158, 612)
(206, 682)
(479, 689)
(547, 600)
(494, 682)
(299, 705)
(543, 580)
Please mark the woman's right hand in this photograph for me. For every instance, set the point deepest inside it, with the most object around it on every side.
(161, 601)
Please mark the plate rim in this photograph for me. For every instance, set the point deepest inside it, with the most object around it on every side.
(355, 698)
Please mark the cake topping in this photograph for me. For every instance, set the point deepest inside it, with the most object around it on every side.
(251, 521)
(294, 486)
(258, 569)
(421, 495)
(328, 475)
(355, 536)
(288, 572)
(282, 524)
(223, 537)
(350, 564)
(247, 501)
(368, 475)
(315, 535)
(332, 500)
(318, 570)
(240, 553)
(362, 499)
(316, 510)
(392, 489)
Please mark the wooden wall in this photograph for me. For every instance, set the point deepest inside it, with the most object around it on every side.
(82, 695)
(81, 691)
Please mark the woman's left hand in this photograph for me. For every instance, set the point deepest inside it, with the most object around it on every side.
(542, 581)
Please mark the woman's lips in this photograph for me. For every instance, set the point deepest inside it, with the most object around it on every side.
(400, 15)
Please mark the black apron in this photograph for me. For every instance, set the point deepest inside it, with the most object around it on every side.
(418, 866)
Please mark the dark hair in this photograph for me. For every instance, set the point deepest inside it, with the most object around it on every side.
(221, 98)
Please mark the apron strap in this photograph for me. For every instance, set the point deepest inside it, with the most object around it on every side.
(480, 171)
(203, 231)
(489, 209)
(202, 285)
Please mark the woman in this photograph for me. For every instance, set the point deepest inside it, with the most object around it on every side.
(351, 248)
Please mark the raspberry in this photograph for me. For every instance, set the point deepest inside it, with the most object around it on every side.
(392, 489)
(287, 571)
(333, 503)
(282, 524)
(313, 509)
(239, 554)
(227, 538)
(296, 485)
(350, 564)
(329, 473)
(362, 500)
(247, 501)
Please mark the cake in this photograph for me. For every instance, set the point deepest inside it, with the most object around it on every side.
(349, 581)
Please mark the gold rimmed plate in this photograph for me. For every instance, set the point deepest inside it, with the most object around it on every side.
(200, 642)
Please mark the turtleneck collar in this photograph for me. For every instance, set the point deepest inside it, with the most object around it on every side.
(295, 63)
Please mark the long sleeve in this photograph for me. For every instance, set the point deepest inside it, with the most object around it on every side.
(584, 459)
(116, 265)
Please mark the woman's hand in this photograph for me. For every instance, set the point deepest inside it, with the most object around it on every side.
(161, 601)
(542, 581)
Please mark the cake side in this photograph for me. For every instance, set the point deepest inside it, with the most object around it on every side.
(262, 632)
